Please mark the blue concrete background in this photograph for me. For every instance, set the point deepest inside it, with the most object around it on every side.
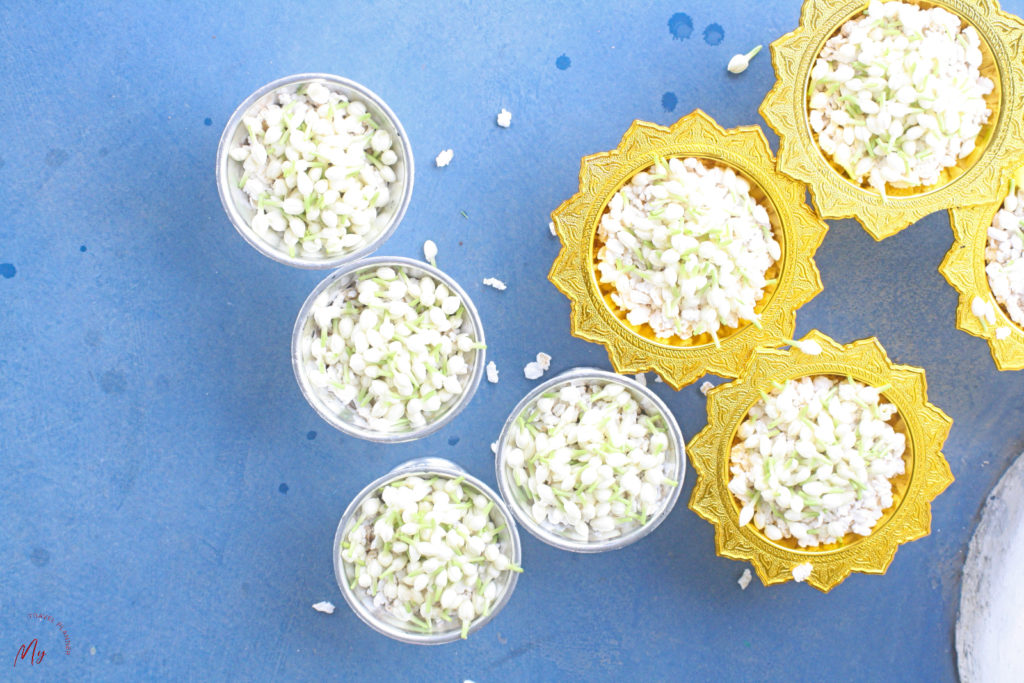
(170, 498)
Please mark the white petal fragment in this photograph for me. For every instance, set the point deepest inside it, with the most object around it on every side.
(496, 283)
(444, 158)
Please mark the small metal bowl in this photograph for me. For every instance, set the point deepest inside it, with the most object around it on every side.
(927, 472)
(347, 421)
(381, 621)
(551, 534)
(633, 349)
(972, 181)
(964, 267)
(236, 202)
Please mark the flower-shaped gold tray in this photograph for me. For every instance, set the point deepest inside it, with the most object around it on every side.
(964, 270)
(634, 349)
(972, 181)
(927, 472)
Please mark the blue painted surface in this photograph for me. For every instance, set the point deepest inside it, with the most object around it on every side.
(163, 498)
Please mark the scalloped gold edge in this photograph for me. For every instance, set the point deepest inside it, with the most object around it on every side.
(576, 221)
(835, 197)
(866, 360)
(964, 269)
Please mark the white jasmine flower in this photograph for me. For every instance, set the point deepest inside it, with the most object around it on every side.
(814, 460)
(430, 252)
(739, 63)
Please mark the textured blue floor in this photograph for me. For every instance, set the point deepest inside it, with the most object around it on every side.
(170, 498)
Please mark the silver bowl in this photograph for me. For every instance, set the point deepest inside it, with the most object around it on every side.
(236, 202)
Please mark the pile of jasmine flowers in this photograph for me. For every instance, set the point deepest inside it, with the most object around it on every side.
(814, 459)
(427, 551)
(317, 170)
(1005, 256)
(590, 459)
(897, 97)
(394, 347)
(686, 249)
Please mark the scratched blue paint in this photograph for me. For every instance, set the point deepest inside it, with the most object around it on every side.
(669, 101)
(714, 34)
(680, 25)
(563, 62)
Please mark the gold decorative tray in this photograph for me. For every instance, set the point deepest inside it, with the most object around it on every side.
(634, 349)
(927, 472)
(964, 270)
(973, 181)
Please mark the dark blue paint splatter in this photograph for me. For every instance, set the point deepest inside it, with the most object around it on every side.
(113, 382)
(207, 121)
(56, 157)
(680, 25)
(283, 488)
(311, 435)
(452, 440)
(563, 62)
(714, 34)
(8, 270)
(82, 249)
(669, 101)
(40, 557)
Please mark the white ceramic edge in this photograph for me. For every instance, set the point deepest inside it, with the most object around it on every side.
(988, 624)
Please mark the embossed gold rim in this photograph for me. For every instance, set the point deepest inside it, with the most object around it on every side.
(910, 516)
(576, 221)
(835, 196)
(964, 269)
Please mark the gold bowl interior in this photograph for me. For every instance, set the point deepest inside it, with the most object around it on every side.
(900, 483)
(982, 246)
(989, 69)
(645, 331)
